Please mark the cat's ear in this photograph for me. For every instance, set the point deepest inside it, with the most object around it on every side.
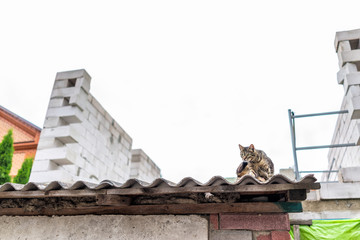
(241, 147)
(252, 147)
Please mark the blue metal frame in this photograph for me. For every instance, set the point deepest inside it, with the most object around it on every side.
(292, 117)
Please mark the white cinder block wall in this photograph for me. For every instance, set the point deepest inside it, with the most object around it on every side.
(347, 129)
(80, 140)
(142, 167)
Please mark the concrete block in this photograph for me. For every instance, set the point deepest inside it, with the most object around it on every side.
(43, 165)
(51, 122)
(354, 91)
(65, 134)
(346, 36)
(325, 215)
(72, 74)
(257, 222)
(64, 92)
(339, 191)
(73, 170)
(91, 109)
(230, 235)
(101, 119)
(70, 114)
(91, 169)
(126, 143)
(344, 46)
(58, 102)
(49, 143)
(82, 174)
(349, 174)
(348, 68)
(108, 117)
(288, 172)
(86, 155)
(313, 195)
(60, 155)
(115, 132)
(349, 56)
(49, 176)
(354, 107)
(84, 83)
(351, 79)
(61, 84)
(98, 106)
(79, 100)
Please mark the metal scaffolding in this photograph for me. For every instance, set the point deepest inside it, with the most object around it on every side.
(292, 117)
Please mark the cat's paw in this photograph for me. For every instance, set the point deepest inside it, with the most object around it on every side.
(261, 179)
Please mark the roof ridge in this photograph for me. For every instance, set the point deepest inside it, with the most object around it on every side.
(30, 124)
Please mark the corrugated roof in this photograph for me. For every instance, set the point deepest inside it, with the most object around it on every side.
(187, 182)
(189, 196)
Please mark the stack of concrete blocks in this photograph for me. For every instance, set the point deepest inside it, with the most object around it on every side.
(347, 129)
(80, 140)
(142, 167)
(334, 200)
(288, 172)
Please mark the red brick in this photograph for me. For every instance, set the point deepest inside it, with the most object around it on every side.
(214, 221)
(280, 235)
(263, 237)
(257, 222)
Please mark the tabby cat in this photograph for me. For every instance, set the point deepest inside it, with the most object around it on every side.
(256, 163)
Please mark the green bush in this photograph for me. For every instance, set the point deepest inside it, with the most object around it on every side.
(6, 154)
(24, 172)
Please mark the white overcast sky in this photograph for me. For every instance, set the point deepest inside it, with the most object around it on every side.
(187, 80)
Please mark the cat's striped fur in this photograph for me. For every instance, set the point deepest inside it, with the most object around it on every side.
(256, 163)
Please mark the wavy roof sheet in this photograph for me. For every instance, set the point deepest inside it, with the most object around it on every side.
(188, 182)
(189, 196)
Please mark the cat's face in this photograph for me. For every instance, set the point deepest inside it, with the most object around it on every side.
(247, 153)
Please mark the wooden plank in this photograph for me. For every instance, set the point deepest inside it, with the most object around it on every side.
(301, 222)
(242, 189)
(296, 232)
(206, 208)
(52, 193)
(296, 195)
(112, 200)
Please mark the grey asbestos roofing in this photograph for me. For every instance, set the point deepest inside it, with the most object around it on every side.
(159, 183)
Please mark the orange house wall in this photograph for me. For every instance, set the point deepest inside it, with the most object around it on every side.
(25, 143)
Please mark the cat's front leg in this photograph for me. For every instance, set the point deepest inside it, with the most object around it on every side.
(252, 173)
(260, 178)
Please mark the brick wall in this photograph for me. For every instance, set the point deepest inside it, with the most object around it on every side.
(25, 138)
(257, 226)
(19, 135)
(347, 129)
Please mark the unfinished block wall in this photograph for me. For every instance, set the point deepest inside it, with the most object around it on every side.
(80, 140)
(142, 167)
(347, 129)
